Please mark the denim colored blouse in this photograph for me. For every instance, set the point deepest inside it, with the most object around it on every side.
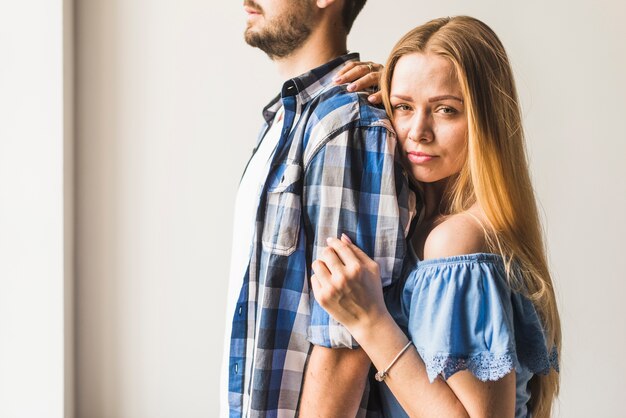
(461, 314)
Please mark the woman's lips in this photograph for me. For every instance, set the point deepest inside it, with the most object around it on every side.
(419, 157)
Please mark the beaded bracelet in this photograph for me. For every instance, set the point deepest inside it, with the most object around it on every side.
(380, 376)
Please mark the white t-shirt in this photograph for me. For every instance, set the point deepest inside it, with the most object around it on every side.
(246, 206)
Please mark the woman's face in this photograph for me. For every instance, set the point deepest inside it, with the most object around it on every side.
(429, 116)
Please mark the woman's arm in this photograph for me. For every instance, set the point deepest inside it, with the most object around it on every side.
(346, 283)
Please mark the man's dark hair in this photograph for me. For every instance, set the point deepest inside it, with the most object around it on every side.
(351, 10)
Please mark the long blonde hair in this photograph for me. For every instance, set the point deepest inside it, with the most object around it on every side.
(495, 174)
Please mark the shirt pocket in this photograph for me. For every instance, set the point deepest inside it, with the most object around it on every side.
(283, 212)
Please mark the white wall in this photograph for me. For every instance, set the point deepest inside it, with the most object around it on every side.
(36, 300)
(169, 101)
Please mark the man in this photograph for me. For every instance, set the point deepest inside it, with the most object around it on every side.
(324, 165)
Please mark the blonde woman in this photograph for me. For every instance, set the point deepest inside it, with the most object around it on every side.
(473, 329)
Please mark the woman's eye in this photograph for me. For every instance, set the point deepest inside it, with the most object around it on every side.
(447, 110)
(403, 107)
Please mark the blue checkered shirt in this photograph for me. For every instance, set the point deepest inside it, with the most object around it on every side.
(334, 171)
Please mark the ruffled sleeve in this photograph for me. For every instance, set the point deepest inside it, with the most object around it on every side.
(462, 315)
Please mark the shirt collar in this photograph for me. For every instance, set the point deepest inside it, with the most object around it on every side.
(306, 86)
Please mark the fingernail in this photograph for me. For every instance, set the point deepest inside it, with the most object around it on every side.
(328, 240)
(371, 98)
(337, 80)
(346, 238)
(351, 87)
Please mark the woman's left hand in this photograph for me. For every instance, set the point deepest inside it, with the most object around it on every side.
(347, 284)
(361, 76)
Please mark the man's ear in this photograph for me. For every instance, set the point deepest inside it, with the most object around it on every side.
(322, 4)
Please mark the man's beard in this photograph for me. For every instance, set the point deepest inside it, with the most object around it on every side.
(285, 33)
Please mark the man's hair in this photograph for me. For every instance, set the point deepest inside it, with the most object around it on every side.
(351, 10)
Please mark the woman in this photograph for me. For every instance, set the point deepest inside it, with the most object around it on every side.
(477, 300)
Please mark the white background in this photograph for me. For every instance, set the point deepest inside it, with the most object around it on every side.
(168, 111)
(168, 101)
(36, 208)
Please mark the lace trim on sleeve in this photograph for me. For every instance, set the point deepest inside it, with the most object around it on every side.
(488, 366)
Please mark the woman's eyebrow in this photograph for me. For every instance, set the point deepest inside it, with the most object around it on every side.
(444, 97)
(402, 97)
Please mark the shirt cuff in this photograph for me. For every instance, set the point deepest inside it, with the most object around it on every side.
(326, 331)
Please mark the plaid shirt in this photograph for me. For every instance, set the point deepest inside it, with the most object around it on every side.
(334, 171)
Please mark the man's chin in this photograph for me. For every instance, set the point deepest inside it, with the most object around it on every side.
(248, 36)
(250, 33)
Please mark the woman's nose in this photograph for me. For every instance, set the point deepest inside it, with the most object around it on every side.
(420, 129)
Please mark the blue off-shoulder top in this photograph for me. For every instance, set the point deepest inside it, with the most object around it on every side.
(461, 314)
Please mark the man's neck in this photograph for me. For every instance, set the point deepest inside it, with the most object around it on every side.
(319, 49)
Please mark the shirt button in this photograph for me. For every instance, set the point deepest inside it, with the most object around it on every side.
(240, 310)
(236, 368)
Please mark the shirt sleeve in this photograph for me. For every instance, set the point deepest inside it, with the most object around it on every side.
(356, 185)
(463, 315)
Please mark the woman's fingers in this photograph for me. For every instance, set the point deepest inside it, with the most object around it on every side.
(331, 260)
(342, 262)
(357, 263)
(377, 67)
(321, 281)
(346, 239)
(350, 65)
(343, 250)
(353, 71)
(376, 98)
(352, 74)
(367, 81)
(320, 269)
(360, 257)
(323, 285)
(319, 290)
(322, 275)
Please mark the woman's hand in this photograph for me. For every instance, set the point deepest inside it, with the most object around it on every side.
(361, 76)
(347, 284)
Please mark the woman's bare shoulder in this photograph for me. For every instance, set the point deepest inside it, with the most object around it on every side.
(458, 234)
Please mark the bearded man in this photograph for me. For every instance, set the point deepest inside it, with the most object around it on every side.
(324, 165)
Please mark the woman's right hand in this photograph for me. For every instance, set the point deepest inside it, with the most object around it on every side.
(346, 283)
(361, 76)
